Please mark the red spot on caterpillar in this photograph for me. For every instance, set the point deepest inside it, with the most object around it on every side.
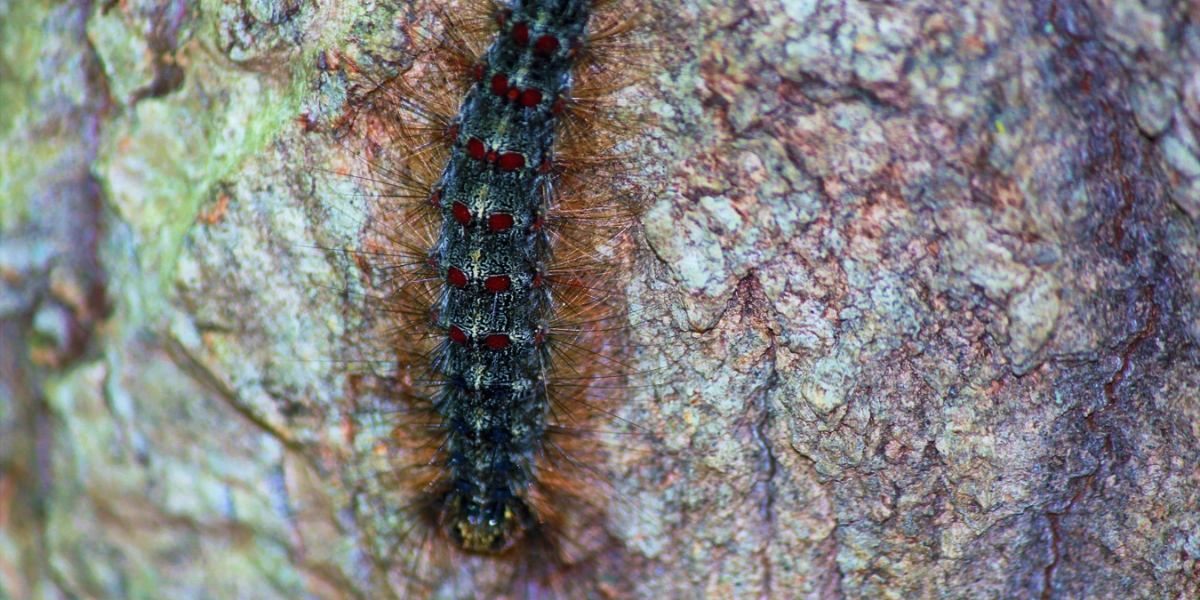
(452, 133)
(497, 283)
(511, 161)
(499, 84)
(539, 337)
(496, 341)
(492, 155)
(574, 49)
(558, 107)
(500, 221)
(456, 278)
(531, 98)
(546, 44)
(477, 71)
(457, 335)
(461, 213)
(545, 166)
(537, 224)
(513, 93)
(502, 17)
(520, 33)
(475, 149)
(537, 281)
(436, 198)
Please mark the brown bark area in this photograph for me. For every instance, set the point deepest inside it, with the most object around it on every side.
(921, 320)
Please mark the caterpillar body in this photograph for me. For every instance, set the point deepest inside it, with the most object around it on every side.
(499, 258)
(490, 254)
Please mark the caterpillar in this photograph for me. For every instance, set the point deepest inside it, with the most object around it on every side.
(495, 252)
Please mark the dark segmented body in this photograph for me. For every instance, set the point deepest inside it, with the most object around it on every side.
(490, 253)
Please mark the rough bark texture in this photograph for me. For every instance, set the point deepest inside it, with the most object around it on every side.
(922, 321)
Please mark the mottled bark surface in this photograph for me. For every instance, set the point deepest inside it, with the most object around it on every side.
(921, 318)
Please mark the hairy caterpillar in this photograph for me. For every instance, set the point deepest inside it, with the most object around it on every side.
(495, 252)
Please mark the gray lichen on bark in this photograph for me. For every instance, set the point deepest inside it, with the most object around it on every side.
(922, 319)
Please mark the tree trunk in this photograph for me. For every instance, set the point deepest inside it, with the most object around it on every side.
(921, 320)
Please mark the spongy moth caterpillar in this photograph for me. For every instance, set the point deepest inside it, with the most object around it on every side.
(495, 252)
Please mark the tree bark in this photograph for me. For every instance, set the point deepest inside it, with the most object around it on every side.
(921, 320)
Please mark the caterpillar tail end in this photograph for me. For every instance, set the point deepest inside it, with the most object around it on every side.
(486, 527)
